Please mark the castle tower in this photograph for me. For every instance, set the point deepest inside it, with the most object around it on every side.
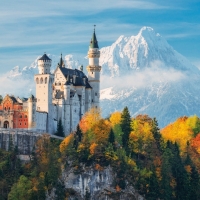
(44, 81)
(94, 70)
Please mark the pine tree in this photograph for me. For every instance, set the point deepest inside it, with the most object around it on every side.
(60, 131)
(156, 133)
(154, 192)
(111, 138)
(166, 189)
(126, 127)
(77, 137)
(193, 186)
(180, 174)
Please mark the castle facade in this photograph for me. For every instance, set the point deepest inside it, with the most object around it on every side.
(64, 95)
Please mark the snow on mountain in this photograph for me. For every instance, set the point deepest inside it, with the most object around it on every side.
(142, 72)
(150, 77)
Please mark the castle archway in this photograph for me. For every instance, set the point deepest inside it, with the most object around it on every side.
(6, 124)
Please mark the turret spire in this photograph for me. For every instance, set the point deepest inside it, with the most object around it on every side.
(94, 42)
(61, 61)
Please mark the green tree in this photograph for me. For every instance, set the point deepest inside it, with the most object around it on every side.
(166, 189)
(77, 137)
(154, 190)
(126, 127)
(111, 138)
(60, 131)
(180, 174)
(21, 190)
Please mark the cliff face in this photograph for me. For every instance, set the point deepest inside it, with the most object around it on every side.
(94, 184)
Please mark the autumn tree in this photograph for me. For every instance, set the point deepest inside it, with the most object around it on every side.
(115, 118)
(89, 119)
(100, 131)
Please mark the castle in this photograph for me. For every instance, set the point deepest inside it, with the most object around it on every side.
(64, 95)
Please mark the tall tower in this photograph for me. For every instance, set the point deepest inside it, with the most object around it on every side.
(44, 81)
(94, 70)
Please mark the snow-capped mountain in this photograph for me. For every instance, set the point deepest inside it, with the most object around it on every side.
(142, 72)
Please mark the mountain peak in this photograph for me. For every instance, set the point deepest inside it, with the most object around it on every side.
(148, 32)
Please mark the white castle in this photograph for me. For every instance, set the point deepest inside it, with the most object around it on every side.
(66, 94)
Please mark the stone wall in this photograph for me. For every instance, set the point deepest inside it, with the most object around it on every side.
(23, 139)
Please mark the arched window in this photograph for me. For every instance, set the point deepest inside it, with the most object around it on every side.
(37, 80)
(5, 108)
(59, 83)
(41, 80)
(25, 116)
(45, 80)
(20, 116)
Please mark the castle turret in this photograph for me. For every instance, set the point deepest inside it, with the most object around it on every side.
(94, 70)
(31, 112)
(44, 81)
(44, 64)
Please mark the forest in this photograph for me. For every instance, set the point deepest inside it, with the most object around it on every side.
(159, 164)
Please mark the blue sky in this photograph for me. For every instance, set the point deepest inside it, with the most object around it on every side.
(30, 28)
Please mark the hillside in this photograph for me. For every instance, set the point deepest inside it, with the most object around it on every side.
(115, 159)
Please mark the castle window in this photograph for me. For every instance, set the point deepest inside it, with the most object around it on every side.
(37, 80)
(20, 116)
(25, 116)
(25, 123)
(59, 83)
(46, 80)
(5, 108)
(95, 94)
(20, 124)
(41, 80)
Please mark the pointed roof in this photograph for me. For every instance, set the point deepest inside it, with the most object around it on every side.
(61, 61)
(94, 42)
(44, 57)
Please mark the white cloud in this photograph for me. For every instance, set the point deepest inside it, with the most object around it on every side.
(157, 73)
(17, 87)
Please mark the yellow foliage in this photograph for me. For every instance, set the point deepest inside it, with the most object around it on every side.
(101, 131)
(180, 132)
(131, 162)
(66, 142)
(115, 118)
(89, 119)
(93, 147)
(188, 168)
(141, 134)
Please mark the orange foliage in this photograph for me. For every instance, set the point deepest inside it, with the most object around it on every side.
(89, 119)
(118, 189)
(93, 147)
(195, 143)
(115, 118)
(179, 132)
(42, 151)
(101, 131)
(66, 142)
(98, 167)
